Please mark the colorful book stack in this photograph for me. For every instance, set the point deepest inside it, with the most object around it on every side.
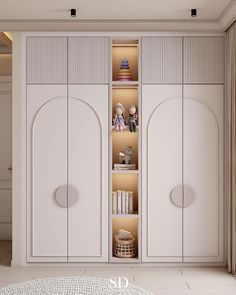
(122, 202)
(124, 73)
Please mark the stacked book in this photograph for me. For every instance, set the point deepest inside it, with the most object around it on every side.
(124, 166)
(122, 202)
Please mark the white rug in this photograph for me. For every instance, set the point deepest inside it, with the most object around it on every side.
(73, 286)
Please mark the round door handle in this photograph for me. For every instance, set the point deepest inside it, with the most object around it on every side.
(67, 196)
(182, 196)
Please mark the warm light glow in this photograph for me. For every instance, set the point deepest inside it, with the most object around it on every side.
(124, 87)
(125, 45)
(122, 139)
(9, 35)
(129, 52)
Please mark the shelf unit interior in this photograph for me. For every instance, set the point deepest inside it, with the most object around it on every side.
(127, 182)
(129, 224)
(120, 140)
(125, 49)
(124, 89)
(126, 95)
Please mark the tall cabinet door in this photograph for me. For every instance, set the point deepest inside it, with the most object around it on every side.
(46, 172)
(162, 170)
(202, 172)
(87, 172)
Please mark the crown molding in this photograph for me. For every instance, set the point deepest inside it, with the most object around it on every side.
(112, 25)
(228, 16)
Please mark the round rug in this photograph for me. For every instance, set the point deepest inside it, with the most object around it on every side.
(74, 286)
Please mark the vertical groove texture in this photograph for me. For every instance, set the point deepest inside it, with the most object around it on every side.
(46, 60)
(204, 60)
(88, 60)
(162, 60)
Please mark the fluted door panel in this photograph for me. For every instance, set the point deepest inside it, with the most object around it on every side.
(204, 60)
(46, 60)
(88, 60)
(162, 60)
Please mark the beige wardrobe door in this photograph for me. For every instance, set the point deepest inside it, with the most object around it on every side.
(203, 173)
(46, 172)
(87, 172)
(162, 172)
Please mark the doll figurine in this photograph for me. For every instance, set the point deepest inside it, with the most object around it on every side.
(133, 118)
(119, 121)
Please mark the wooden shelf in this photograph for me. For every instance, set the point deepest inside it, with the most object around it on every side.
(119, 171)
(124, 260)
(127, 93)
(125, 83)
(124, 45)
(134, 215)
(125, 128)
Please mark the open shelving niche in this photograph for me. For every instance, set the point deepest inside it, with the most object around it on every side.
(127, 93)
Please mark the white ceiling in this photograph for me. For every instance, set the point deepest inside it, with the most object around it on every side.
(111, 9)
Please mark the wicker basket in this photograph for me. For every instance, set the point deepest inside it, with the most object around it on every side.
(124, 249)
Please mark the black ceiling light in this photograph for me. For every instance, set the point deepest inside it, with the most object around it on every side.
(193, 12)
(73, 12)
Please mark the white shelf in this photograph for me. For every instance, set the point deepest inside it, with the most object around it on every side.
(120, 171)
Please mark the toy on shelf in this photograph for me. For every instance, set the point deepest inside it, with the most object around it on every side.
(133, 118)
(128, 153)
(124, 73)
(125, 159)
(124, 246)
(119, 120)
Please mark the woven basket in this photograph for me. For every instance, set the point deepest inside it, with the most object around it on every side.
(124, 249)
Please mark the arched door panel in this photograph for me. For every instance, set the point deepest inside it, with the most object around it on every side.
(47, 170)
(202, 171)
(87, 162)
(162, 172)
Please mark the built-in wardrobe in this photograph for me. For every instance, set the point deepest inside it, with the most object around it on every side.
(67, 148)
(182, 136)
(72, 147)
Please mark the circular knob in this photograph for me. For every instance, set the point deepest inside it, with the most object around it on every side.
(182, 196)
(67, 196)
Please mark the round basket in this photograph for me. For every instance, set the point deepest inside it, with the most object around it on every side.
(124, 249)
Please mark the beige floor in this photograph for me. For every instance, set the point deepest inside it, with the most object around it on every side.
(159, 280)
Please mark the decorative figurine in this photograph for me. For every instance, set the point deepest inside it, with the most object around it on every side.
(133, 118)
(121, 158)
(128, 151)
(125, 156)
(119, 120)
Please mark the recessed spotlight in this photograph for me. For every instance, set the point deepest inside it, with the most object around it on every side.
(193, 12)
(73, 12)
